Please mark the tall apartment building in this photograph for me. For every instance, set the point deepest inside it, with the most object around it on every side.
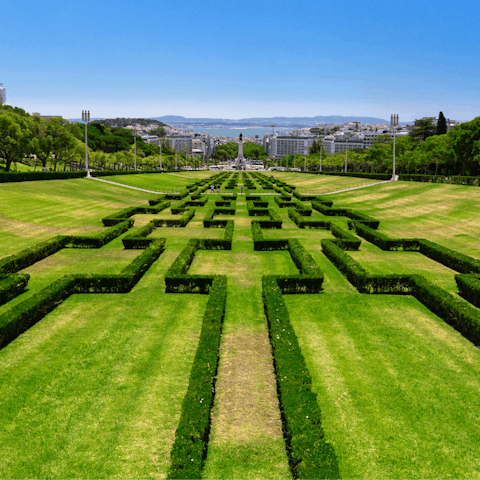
(3, 95)
(338, 143)
(192, 143)
(283, 145)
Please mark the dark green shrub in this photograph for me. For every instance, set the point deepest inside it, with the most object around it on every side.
(301, 222)
(29, 256)
(12, 285)
(469, 287)
(310, 456)
(189, 450)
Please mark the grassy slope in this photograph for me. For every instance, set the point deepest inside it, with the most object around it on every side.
(397, 386)
(246, 437)
(316, 184)
(84, 394)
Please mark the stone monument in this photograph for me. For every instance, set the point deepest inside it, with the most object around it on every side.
(240, 160)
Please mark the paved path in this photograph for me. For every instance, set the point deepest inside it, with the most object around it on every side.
(356, 188)
(128, 186)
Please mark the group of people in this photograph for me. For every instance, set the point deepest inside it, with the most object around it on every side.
(215, 188)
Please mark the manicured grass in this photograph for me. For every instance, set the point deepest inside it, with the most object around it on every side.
(94, 390)
(317, 184)
(34, 211)
(398, 387)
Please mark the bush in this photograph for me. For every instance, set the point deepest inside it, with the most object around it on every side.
(450, 258)
(29, 256)
(189, 450)
(175, 222)
(469, 287)
(23, 315)
(99, 239)
(384, 241)
(12, 285)
(301, 222)
(345, 240)
(260, 244)
(310, 456)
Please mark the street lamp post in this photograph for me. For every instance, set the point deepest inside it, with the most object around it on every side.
(394, 123)
(86, 119)
(134, 132)
(161, 157)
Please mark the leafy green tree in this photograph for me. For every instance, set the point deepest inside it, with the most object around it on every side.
(423, 129)
(15, 138)
(466, 145)
(441, 124)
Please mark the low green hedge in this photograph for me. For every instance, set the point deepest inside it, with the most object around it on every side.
(175, 222)
(309, 454)
(189, 449)
(177, 196)
(101, 238)
(324, 209)
(344, 239)
(450, 258)
(219, 244)
(459, 314)
(469, 287)
(260, 244)
(25, 314)
(384, 241)
(301, 222)
(122, 215)
(12, 285)
(29, 256)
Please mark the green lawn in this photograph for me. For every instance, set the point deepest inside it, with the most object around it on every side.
(398, 387)
(94, 390)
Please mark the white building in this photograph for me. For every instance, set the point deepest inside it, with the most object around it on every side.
(3, 95)
(338, 143)
(283, 145)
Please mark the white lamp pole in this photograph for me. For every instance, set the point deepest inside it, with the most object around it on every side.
(86, 119)
(135, 146)
(394, 123)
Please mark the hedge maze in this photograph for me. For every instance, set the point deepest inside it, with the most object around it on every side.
(341, 232)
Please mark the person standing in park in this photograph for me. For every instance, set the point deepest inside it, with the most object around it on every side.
(212, 187)
(241, 189)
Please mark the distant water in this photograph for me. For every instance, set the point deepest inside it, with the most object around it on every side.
(235, 132)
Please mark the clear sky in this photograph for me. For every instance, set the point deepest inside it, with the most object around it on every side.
(237, 59)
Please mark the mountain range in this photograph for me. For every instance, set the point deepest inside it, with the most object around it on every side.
(277, 121)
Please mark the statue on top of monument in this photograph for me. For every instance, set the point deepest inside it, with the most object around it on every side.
(240, 137)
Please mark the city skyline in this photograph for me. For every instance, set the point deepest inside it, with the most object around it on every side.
(243, 59)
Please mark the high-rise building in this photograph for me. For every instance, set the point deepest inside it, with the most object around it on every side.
(3, 95)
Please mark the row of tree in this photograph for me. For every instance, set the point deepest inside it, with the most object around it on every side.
(425, 150)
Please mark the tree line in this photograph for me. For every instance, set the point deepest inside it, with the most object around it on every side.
(428, 149)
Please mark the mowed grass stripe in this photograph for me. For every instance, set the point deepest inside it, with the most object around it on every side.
(246, 438)
(398, 387)
(95, 389)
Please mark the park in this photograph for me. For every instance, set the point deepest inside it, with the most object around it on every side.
(292, 325)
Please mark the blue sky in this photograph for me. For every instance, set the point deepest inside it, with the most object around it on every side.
(236, 59)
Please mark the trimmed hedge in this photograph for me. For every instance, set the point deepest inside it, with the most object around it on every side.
(22, 316)
(189, 450)
(219, 244)
(260, 244)
(384, 241)
(459, 314)
(177, 196)
(345, 212)
(101, 238)
(469, 287)
(175, 222)
(450, 258)
(12, 285)
(29, 256)
(345, 240)
(309, 454)
(155, 207)
(301, 222)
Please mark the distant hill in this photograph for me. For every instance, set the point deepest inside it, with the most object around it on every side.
(123, 122)
(277, 121)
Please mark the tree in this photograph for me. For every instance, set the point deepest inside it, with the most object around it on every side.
(441, 124)
(423, 129)
(43, 141)
(15, 138)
